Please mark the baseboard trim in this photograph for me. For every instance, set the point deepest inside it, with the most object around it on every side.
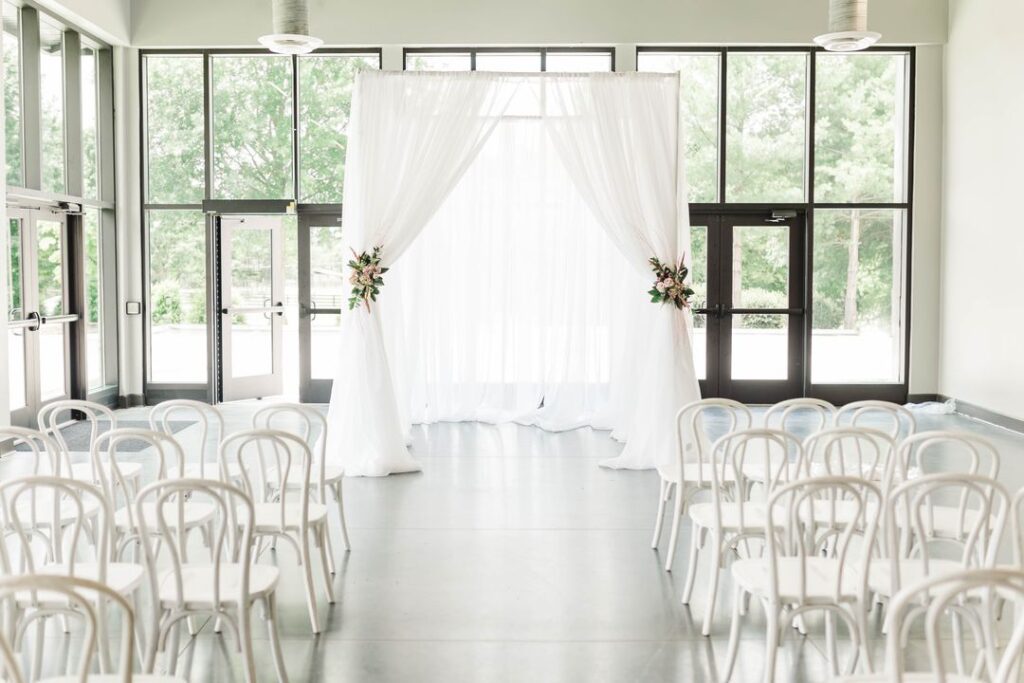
(986, 415)
(131, 401)
(922, 398)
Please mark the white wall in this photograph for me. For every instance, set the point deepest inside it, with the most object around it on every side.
(108, 20)
(480, 22)
(982, 313)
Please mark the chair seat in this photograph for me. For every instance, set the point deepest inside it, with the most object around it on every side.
(692, 472)
(821, 578)
(911, 572)
(754, 517)
(82, 471)
(197, 584)
(115, 678)
(268, 516)
(196, 514)
(123, 578)
(840, 513)
(754, 471)
(68, 509)
(210, 470)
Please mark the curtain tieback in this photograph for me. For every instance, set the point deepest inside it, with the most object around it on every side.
(365, 278)
(670, 283)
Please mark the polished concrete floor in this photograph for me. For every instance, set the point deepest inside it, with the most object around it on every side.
(514, 557)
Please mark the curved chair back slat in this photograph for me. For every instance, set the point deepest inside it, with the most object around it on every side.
(781, 415)
(47, 457)
(209, 417)
(53, 415)
(306, 422)
(693, 444)
(891, 418)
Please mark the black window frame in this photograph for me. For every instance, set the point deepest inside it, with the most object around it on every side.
(836, 393)
(474, 51)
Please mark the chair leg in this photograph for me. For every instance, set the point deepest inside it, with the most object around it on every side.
(677, 515)
(341, 516)
(171, 648)
(691, 569)
(734, 636)
(307, 567)
(37, 649)
(958, 643)
(275, 639)
(716, 565)
(830, 643)
(245, 640)
(324, 542)
(771, 641)
(660, 519)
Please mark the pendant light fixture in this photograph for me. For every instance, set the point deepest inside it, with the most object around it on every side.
(848, 27)
(291, 29)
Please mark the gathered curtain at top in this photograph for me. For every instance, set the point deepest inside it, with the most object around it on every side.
(412, 138)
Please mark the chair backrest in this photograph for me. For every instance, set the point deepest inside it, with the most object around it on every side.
(850, 452)
(954, 592)
(306, 422)
(162, 449)
(162, 416)
(891, 418)
(230, 540)
(37, 508)
(1017, 525)
(80, 595)
(775, 453)
(52, 415)
(978, 512)
(47, 457)
(693, 444)
(795, 516)
(783, 414)
(946, 451)
(259, 452)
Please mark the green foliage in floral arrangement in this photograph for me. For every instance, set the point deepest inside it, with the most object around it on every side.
(366, 278)
(669, 284)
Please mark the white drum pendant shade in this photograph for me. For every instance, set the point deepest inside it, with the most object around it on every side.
(848, 27)
(291, 29)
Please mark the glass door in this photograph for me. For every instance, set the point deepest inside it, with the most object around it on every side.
(322, 262)
(251, 301)
(749, 277)
(38, 311)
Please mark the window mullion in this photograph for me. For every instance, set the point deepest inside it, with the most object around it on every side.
(31, 100)
(72, 55)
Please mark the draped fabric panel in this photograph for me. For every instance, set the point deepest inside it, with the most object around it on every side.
(539, 199)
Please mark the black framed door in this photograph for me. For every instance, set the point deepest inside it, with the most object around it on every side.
(749, 322)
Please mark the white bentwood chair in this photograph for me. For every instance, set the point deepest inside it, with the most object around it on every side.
(690, 472)
(225, 588)
(802, 572)
(30, 505)
(309, 424)
(962, 595)
(76, 598)
(734, 516)
(266, 456)
(50, 419)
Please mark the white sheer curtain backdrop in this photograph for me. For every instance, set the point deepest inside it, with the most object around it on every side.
(621, 142)
(512, 303)
(485, 325)
(410, 142)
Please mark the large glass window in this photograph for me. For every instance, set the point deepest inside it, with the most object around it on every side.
(12, 92)
(438, 61)
(174, 129)
(90, 151)
(766, 109)
(252, 127)
(699, 95)
(325, 99)
(860, 128)
(51, 91)
(177, 296)
(858, 294)
(851, 193)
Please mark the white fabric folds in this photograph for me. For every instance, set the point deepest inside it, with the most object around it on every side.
(412, 138)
